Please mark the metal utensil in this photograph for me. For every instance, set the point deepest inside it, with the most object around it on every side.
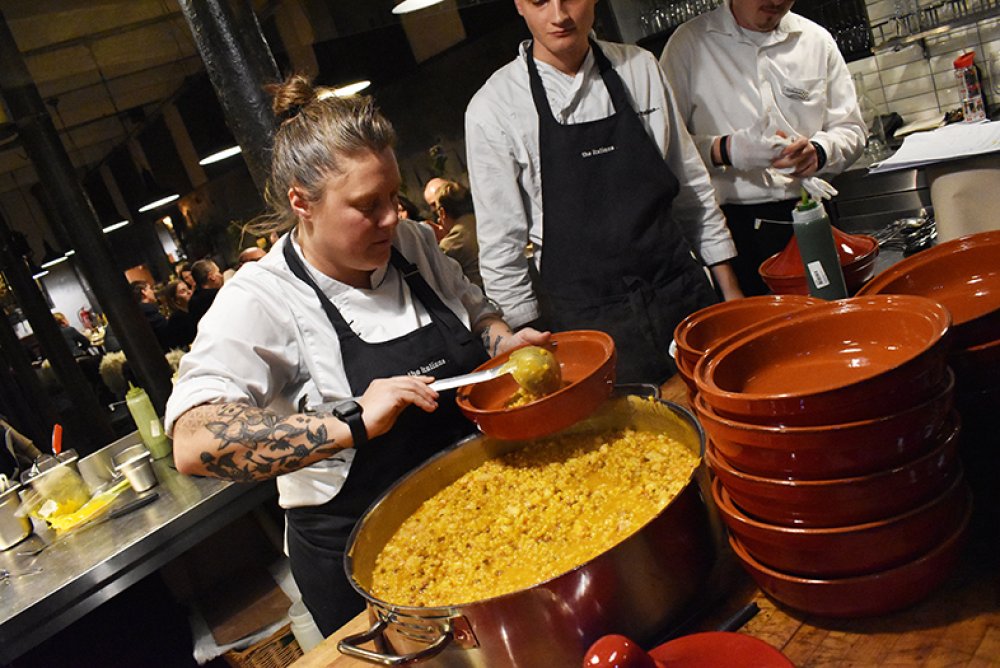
(438, 386)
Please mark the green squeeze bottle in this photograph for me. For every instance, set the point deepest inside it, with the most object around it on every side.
(147, 422)
(818, 249)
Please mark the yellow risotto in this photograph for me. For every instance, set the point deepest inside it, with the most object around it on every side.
(526, 517)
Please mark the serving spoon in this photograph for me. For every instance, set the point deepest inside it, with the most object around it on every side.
(535, 369)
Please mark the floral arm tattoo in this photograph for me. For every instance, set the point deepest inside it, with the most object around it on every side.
(245, 443)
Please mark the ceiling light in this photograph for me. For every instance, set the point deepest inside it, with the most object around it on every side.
(221, 155)
(407, 6)
(115, 226)
(346, 90)
(52, 257)
(155, 195)
(36, 271)
(70, 253)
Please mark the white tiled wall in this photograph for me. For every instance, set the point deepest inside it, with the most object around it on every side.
(915, 86)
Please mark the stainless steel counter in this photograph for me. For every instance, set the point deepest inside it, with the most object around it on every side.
(94, 563)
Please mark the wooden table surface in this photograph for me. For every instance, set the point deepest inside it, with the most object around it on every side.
(957, 626)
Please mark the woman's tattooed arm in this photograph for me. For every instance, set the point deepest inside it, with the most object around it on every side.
(243, 443)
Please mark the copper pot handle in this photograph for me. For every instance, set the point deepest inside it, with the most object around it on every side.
(350, 645)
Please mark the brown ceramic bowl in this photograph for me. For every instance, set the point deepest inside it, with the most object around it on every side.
(849, 550)
(843, 501)
(829, 451)
(841, 361)
(977, 368)
(702, 329)
(963, 274)
(587, 361)
(868, 595)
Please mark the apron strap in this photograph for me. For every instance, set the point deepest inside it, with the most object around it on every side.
(616, 89)
(298, 269)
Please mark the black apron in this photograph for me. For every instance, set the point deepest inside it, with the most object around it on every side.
(755, 244)
(613, 259)
(317, 535)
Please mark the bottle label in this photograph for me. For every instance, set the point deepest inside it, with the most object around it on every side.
(155, 430)
(818, 274)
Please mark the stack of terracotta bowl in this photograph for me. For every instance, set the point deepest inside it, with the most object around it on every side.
(709, 326)
(833, 443)
(785, 274)
(964, 276)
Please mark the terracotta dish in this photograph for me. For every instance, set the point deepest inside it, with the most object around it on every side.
(829, 451)
(978, 367)
(841, 361)
(713, 649)
(849, 550)
(784, 274)
(963, 274)
(865, 595)
(852, 249)
(587, 361)
(702, 329)
(843, 501)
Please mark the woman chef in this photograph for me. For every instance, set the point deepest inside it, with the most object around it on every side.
(353, 302)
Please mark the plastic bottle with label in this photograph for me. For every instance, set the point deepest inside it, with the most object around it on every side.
(970, 88)
(819, 251)
(147, 422)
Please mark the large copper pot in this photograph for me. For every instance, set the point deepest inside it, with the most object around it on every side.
(640, 587)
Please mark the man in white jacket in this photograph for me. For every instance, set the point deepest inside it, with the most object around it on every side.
(769, 102)
(575, 147)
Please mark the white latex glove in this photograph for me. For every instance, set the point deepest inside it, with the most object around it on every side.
(818, 189)
(754, 147)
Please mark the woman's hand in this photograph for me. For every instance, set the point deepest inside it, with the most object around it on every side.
(523, 337)
(386, 398)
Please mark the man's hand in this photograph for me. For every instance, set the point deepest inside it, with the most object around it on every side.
(798, 158)
(526, 336)
(750, 148)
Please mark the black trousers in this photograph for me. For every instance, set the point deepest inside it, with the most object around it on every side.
(756, 245)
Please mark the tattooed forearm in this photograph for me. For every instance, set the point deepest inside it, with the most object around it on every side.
(244, 443)
(492, 343)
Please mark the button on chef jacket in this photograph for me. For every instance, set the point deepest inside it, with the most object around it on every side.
(725, 78)
(266, 342)
(501, 127)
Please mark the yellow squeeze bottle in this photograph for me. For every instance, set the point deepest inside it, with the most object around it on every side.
(147, 422)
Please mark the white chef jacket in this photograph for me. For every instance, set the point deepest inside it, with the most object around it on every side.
(726, 78)
(501, 134)
(267, 342)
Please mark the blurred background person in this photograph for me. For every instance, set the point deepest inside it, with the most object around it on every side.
(457, 219)
(208, 279)
(180, 325)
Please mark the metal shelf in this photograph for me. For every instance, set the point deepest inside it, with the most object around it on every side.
(897, 43)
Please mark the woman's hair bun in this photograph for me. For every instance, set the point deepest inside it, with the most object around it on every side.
(291, 95)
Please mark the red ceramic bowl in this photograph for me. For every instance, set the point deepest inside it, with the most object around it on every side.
(842, 361)
(843, 501)
(849, 550)
(712, 649)
(852, 249)
(785, 275)
(587, 361)
(864, 595)
(829, 451)
(702, 329)
(963, 274)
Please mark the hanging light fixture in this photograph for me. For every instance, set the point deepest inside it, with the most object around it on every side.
(156, 195)
(407, 6)
(115, 226)
(36, 271)
(220, 155)
(347, 90)
(51, 257)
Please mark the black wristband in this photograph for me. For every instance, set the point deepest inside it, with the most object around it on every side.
(349, 412)
(724, 151)
(820, 155)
